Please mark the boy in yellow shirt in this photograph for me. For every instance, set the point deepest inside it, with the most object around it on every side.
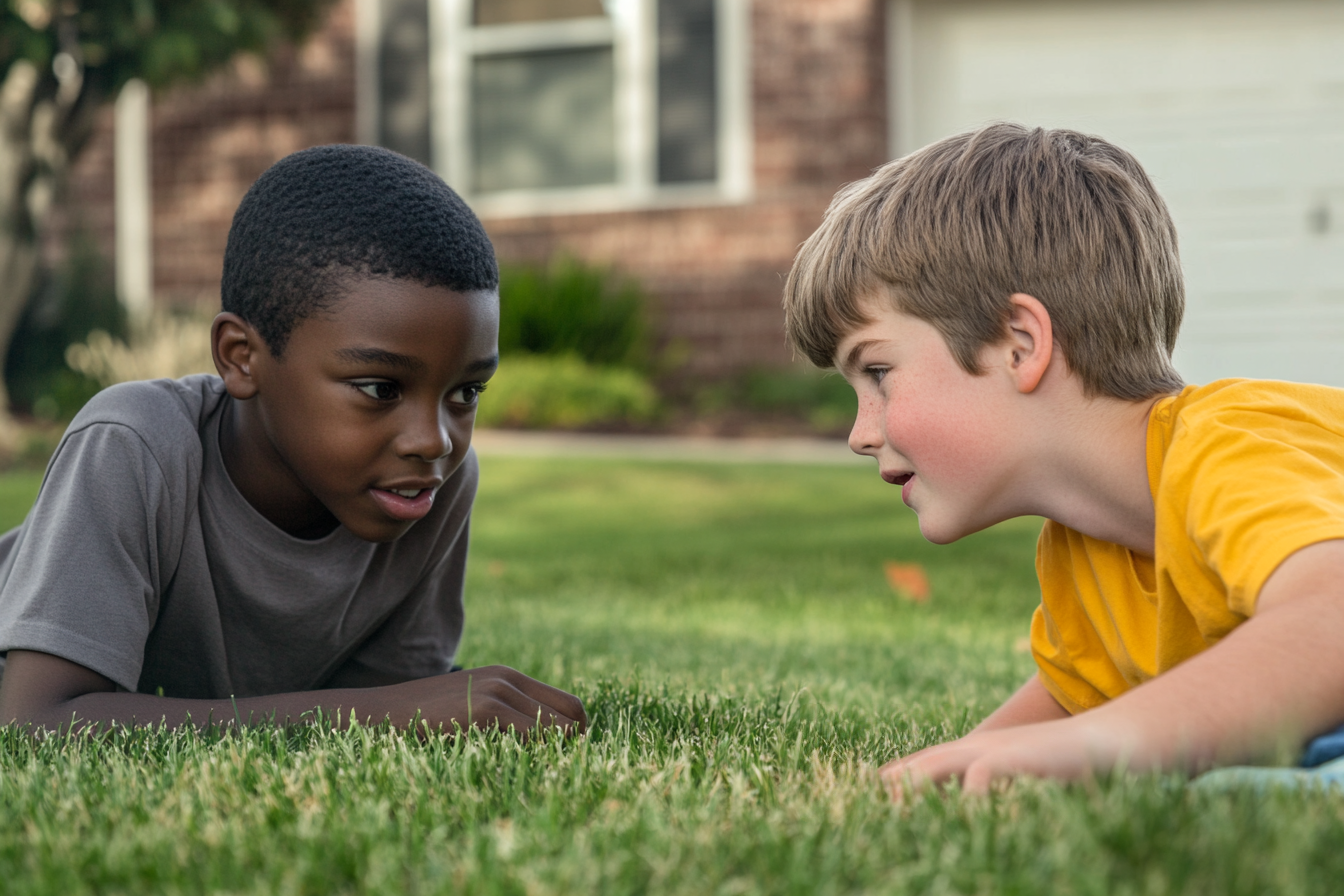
(1005, 304)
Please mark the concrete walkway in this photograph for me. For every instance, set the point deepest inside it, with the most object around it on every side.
(514, 443)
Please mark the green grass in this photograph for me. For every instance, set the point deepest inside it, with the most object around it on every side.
(18, 489)
(746, 670)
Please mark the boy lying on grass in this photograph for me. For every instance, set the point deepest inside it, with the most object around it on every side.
(290, 535)
(1005, 304)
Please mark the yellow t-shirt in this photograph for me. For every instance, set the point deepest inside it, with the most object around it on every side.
(1243, 473)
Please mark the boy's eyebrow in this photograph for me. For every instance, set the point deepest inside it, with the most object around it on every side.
(490, 363)
(363, 355)
(851, 360)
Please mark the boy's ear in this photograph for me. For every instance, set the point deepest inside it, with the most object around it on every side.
(1030, 340)
(235, 345)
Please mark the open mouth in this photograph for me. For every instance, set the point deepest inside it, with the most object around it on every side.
(900, 479)
(405, 504)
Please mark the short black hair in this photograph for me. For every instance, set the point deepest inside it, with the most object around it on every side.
(329, 213)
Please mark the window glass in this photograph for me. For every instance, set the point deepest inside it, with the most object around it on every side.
(543, 119)
(403, 78)
(687, 98)
(508, 12)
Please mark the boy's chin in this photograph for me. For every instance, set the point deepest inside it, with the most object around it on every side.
(952, 531)
(939, 531)
(378, 533)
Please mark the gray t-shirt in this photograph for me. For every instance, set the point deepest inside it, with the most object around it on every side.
(141, 561)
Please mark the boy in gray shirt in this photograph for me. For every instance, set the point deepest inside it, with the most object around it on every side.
(292, 534)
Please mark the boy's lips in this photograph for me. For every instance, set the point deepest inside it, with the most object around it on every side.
(901, 479)
(399, 505)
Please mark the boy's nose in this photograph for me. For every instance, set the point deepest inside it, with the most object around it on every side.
(866, 435)
(427, 437)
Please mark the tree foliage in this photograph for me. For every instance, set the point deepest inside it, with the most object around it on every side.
(164, 42)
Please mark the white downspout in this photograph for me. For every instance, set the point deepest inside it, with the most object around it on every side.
(134, 201)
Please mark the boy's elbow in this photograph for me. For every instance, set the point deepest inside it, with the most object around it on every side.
(37, 685)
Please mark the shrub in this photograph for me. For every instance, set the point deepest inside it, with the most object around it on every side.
(164, 345)
(564, 392)
(823, 399)
(571, 308)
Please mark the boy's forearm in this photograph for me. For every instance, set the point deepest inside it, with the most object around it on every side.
(49, 692)
(1030, 704)
(1277, 680)
(144, 709)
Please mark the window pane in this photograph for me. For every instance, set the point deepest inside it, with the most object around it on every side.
(508, 12)
(543, 120)
(403, 78)
(687, 98)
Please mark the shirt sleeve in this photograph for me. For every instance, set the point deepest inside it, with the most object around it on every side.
(421, 636)
(83, 579)
(1260, 487)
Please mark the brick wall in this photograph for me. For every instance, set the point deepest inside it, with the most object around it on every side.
(715, 273)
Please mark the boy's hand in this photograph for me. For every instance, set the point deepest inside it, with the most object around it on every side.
(971, 756)
(1068, 750)
(488, 697)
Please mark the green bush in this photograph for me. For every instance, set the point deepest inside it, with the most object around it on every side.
(564, 392)
(824, 399)
(571, 308)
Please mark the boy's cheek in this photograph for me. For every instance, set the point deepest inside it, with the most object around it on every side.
(947, 440)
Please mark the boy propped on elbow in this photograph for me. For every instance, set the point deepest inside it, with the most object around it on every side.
(1005, 304)
(290, 535)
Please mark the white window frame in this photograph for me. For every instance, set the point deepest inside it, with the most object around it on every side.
(631, 30)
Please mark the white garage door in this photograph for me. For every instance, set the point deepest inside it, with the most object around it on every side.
(1235, 109)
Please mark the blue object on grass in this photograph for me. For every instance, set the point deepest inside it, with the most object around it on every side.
(1322, 766)
(1324, 748)
(1329, 776)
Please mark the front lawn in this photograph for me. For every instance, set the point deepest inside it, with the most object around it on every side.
(746, 668)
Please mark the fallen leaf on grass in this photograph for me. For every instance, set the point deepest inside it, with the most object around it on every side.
(908, 580)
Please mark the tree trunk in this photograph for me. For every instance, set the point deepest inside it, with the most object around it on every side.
(44, 120)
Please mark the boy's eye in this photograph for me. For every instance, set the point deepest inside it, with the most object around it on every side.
(467, 395)
(877, 373)
(379, 390)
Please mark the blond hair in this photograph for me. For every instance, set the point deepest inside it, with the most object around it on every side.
(950, 232)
